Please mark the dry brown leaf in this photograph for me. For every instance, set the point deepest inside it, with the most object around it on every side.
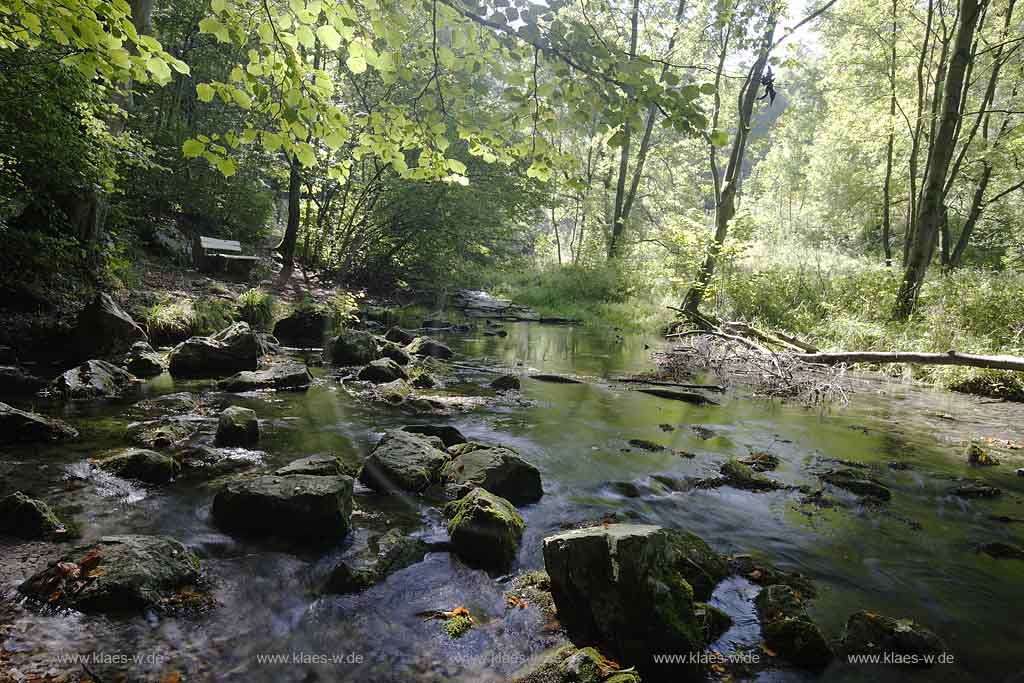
(69, 569)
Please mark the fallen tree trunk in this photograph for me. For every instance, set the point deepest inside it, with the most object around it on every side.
(948, 358)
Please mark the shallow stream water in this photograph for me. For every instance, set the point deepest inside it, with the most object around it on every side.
(912, 557)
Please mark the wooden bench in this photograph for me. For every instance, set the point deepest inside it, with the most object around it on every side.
(214, 255)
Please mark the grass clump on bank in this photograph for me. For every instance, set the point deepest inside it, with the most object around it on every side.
(175, 320)
(256, 306)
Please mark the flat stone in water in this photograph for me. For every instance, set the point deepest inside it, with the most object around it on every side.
(129, 573)
(299, 506)
(19, 426)
(290, 376)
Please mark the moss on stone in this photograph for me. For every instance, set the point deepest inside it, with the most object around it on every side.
(458, 626)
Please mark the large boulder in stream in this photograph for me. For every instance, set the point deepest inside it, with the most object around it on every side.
(321, 465)
(27, 517)
(427, 347)
(143, 361)
(91, 380)
(300, 506)
(104, 329)
(449, 435)
(399, 336)
(485, 529)
(140, 464)
(305, 328)
(161, 433)
(789, 630)
(19, 426)
(231, 350)
(132, 573)
(498, 470)
(383, 556)
(404, 462)
(352, 347)
(394, 352)
(382, 371)
(868, 633)
(622, 586)
(237, 426)
(283, 376)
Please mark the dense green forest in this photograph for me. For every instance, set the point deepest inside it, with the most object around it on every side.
(604, 161)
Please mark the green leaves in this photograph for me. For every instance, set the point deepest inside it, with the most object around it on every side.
(719, 138)
(329, 37)
(205, 92)
(192, 148)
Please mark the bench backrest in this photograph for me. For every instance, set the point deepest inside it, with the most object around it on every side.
(212, 244)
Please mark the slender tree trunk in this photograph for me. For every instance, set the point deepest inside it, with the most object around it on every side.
(915, 144)
(725, 208)
(932, 210)
(887, 187)
(618, 220)
(652, 116)
(286, 248)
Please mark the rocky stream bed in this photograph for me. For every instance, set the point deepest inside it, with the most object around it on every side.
(484, 502)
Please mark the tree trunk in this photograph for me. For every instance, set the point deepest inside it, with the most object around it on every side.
(915, 145)
(286, 248)
(652, 115)
(948, 358)
(725, 208)
(932, 209)
(618, 220)
(977, 206)
(887, 187)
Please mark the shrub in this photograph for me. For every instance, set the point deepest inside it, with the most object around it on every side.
(256, 307)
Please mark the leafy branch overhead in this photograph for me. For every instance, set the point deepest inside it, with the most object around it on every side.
(440, 59)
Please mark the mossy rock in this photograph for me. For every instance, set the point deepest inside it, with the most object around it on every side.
(620, 586)
(159, 433)
(131, 573)
(381, 371)
(741, 476)
(498, 470)
(19, 426)
(352, 347)
(403, 461)
(714, 622)
(141, 464)
(485, 529)
(383, 556)
(427, 347)
(789, 630)
(313, 508)
(27, 517)
(237, 426)
(870, 633)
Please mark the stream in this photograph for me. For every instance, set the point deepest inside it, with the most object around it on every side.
(914, 556)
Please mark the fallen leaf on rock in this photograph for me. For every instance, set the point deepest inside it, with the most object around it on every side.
(516, 601)
(69, 569)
